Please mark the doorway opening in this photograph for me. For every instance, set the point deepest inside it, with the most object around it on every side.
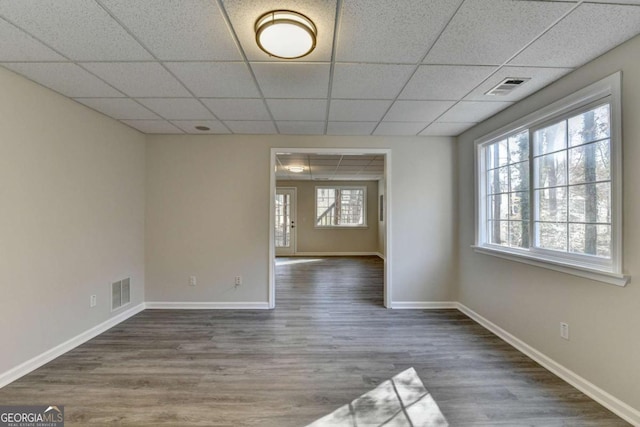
(329, 202)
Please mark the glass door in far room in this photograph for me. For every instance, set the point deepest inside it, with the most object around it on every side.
(285, 221)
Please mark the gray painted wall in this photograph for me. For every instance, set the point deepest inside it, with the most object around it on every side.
(72, 217)
(208, 216)
(530, 302)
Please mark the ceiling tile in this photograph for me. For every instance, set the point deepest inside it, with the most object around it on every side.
(298, 109)
(177, 108)
(119, 108)
(65, 78)
(301, 128)
(177, 29)
(489, 32)
(316, 158)
(243, 15)
(369, 81)
(349, 169)
(295, 157)
(588, 32)
(350, 128)
(324, 164)
(446, 129)
(138, 79)
(189, 126)
(417, 111)
(540, 77)
(153, 126)
(354, 161)
(80, 29)
(216, 79)
(400, 128)
(16, 45)
(237, 109)
(292, 80)
(444, 82)
(251, 126)
(324, 169)
(384, 31)
(473, 111)
(357, 111)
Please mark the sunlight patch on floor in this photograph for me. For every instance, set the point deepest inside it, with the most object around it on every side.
(295, 261)
(401, 401)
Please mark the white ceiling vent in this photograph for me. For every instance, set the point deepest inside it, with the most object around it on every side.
(507, 86)
(120, 293)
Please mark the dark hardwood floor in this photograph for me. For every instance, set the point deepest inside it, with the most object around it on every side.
(328, 341)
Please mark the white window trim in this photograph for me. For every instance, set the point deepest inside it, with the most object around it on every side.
(346, 187)
(607, 272)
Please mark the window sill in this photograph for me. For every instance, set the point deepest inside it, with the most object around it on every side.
(599, 276)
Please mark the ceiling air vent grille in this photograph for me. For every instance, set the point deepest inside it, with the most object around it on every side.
(507, 86)
(120, 293)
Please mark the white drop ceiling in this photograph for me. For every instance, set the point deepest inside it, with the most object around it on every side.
(323, 167)
(404, 67)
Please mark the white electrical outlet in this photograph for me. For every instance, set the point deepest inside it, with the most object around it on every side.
(238, 280)
(93, 301)
(564, 330)
(193, 281)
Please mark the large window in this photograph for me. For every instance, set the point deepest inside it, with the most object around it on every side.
(341, 206)
(549, 186)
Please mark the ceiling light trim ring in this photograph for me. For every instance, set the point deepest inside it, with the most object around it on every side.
(303, 22)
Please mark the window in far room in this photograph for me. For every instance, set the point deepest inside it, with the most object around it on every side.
(341, 206)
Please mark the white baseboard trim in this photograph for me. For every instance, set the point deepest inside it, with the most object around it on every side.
(168, 305)
(423, 305)
(610, 402)
(336, 254)
(379, 255)
(57, 351)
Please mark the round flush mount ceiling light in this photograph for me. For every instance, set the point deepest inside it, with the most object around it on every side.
(203, 128)
(286, 34)
(295, 169)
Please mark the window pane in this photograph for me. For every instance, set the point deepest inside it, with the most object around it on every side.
(519, 206)
(499, 206)
(340, 206)
(589, 126)
(552, 204)
(519, 147)
(591, 162)
(519, 177)
(552, 236)
(326, 206)
(498, 180)
(283, 232)
(551, 170)
(497, 154)
(590, 203)
(590, 239)
(351, 207)
(550, 139)
(518, 234)
(499, 232)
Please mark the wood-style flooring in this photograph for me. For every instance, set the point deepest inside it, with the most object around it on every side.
(328, 341)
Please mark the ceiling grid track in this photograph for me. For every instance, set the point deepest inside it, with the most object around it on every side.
(246, 61)
(417, 66)
(161, 63)
(79, 64)
(334, 47)
(404, 68)
(506, 62)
